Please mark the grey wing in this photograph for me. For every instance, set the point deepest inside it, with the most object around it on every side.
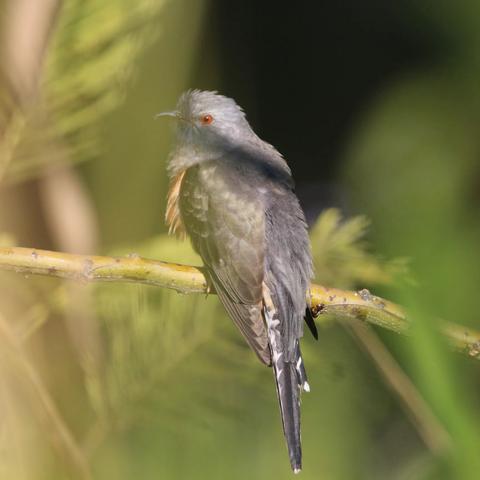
(288, 265)
(227, 230)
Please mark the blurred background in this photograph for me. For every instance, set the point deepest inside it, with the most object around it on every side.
(375, 105)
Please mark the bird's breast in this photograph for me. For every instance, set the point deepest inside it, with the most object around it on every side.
(215, 196)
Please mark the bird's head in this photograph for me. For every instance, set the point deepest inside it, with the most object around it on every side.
(207, 120)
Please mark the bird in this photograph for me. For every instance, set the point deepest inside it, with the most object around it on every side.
(233, 195)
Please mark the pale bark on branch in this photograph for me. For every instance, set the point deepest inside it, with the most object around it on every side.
(325, 302)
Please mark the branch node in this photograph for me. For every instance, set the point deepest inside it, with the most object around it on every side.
(365, 295)
(88, 269)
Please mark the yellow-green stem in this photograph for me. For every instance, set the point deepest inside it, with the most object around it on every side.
(361, 305)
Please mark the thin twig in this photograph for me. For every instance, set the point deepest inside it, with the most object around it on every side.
(361, 305)
(429, 428)
(61, 437)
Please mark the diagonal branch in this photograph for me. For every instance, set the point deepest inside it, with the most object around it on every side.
(59, 433)
(432, 432)
(361, 305)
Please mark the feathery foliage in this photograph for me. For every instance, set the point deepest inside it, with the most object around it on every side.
(91, 59)
(341, 256)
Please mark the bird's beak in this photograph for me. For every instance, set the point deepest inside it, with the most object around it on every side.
(175, 114)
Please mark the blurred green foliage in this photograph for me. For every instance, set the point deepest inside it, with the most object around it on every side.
(170, 389)
(417, 156)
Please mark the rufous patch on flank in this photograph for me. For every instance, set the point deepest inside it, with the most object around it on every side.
(173, 216)
(267, 298)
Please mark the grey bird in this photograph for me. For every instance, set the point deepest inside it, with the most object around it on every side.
(233, 194)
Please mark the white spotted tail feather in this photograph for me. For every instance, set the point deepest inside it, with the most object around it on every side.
(290, 380)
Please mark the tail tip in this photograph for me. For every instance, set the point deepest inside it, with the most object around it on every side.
(297, 470)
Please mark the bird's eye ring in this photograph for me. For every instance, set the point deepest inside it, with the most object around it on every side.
(206, 119)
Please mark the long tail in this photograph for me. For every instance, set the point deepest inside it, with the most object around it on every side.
(290, 380)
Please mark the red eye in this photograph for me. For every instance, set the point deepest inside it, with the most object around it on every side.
(206, 119)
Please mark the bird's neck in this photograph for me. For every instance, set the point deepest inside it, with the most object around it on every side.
(186, 156)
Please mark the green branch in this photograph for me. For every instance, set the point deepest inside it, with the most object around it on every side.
(361, 305)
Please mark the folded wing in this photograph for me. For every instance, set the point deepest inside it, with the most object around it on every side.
(227, 230)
